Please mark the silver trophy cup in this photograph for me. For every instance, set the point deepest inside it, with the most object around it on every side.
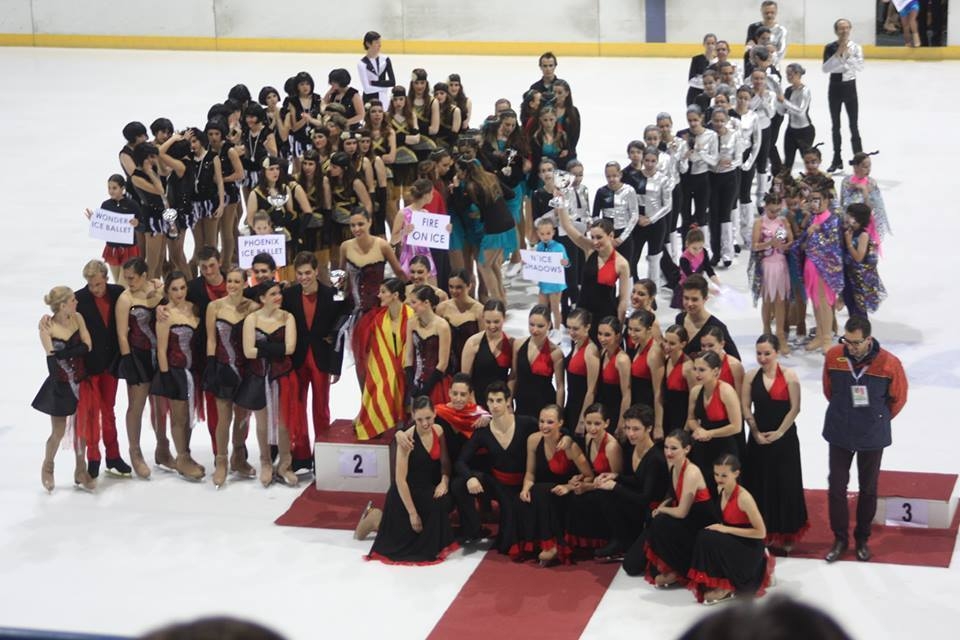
(564, 184)
(338, 278)
(170, 223)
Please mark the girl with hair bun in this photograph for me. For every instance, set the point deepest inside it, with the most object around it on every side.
(488, 355)
(136, 333)
(426, 362)
(420, 195)
(729, 556)
(714, 414)
(795, 102)
(464, 315)
(176, 378)
(537, 374)
(774, 475)
(67, 395)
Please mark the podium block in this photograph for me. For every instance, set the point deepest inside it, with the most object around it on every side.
(922, 500)
(343, 463)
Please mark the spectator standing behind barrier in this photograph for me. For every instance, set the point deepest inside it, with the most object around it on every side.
(866, 388)
(843, 60)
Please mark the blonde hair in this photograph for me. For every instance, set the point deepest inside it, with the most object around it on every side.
(94, 268)
(261, 216)
(57, 297)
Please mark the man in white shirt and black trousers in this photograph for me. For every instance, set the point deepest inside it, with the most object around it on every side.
(843, 60)
(375, 71)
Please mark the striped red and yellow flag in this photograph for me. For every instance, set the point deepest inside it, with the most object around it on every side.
(381, 407)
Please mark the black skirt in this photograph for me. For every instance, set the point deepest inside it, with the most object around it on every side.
(137, 367)
(55, 398)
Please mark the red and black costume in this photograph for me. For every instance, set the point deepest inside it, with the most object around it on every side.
(99, 314)
(670, 540)
(712, 415)
(488, 368)
(540, 522)
(641, 378)
(67, 391)
(501, 479)
(732, 563)
(773, 472)
(534, 385)
(397, 542)
(269, 384)
(318, 354)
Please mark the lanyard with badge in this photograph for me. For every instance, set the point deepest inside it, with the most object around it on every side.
(858, 392)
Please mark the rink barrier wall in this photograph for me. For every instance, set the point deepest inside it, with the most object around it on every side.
(440, 47)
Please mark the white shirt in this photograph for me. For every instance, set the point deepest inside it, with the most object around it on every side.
(848, 64)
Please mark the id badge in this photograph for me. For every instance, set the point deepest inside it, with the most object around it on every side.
(859, 395)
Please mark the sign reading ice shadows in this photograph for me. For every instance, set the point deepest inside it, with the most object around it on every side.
(429, 230)
(274, 244)
(543, 266)
(111, 226)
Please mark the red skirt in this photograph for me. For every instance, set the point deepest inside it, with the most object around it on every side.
(115, 256)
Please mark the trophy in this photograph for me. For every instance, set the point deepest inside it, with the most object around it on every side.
(169, 217)
(338, 279)
(564, 184)
(277, 200)
(781, 234)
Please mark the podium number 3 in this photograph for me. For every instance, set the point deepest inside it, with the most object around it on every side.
(907, 510)
(358, 468)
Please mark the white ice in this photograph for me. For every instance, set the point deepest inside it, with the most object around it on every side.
(138, 554)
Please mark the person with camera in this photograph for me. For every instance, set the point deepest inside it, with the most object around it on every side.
(866, 387)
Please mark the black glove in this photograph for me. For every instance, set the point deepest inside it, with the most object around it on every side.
(271, 350)
(432, 380)
(401, 139)
(210, 373)
(71, 352)
(408, 373)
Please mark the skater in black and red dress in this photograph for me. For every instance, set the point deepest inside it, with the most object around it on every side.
(414, 527)
(713, 415)
(582, 368)
(176, 378)
(687, 509)
(585, 526)
(537, 376)
(552, 460)
(646, 369)
(613, 387)
(488, 356)
(67, 395)
(677, 380)
(729, 557)
(774, 475)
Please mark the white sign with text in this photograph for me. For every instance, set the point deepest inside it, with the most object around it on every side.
(111, 226)
(275, 244)
(429, 230)
(543, 266)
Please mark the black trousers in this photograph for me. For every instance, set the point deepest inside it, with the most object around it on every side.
(723, 193)
(763, 157)
(868, 474)
(775, 163)
(494, 490)
(844, 94)
(696, 200)
(797, 140)
(627, 250)
(668, 268)
(745, 184)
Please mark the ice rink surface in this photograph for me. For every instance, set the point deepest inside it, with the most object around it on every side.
(138, 554)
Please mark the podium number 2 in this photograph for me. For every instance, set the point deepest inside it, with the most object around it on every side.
(907, 512)
(358, 467)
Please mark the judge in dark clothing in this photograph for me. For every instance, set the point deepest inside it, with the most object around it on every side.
(97, 303)
(210, 286)
(696, 319)
(318, 356)
(866, 388)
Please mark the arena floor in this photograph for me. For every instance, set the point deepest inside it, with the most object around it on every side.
(139, 554)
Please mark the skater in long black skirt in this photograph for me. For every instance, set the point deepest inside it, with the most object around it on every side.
(729, 557)
(676, 522)
(415, 525)
(772, 470)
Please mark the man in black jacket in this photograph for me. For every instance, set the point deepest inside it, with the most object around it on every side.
(96, 303)
(210, 286)
(319, 354)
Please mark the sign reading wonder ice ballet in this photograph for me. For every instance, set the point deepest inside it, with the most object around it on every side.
(275, 244)
(110, 226)
(543, 266)
(429, 230)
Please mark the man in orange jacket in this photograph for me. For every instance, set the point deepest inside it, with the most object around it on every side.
(866, 388)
